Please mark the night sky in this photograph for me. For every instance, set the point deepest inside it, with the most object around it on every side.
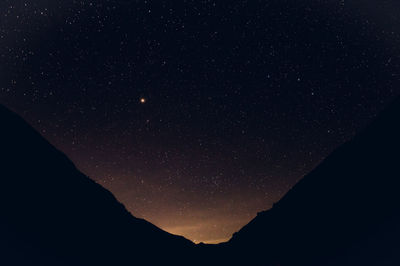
(198, 114)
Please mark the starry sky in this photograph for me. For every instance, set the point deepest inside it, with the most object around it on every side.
(197, 115)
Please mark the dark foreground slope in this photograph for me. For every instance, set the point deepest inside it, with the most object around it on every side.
(52, 214)
(345, 212)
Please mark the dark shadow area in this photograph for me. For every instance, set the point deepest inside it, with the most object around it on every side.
(52, 214)
(345, 212)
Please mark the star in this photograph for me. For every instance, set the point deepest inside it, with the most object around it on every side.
(143, 100)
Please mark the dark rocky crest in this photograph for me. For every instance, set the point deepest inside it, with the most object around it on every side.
(52, 214)
(345, 212)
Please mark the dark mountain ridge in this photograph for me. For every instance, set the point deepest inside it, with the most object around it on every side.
(52, 214)
(345, 212)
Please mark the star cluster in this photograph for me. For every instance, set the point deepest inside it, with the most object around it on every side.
(198, 114)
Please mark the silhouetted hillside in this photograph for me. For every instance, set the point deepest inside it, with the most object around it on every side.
(345, 212)
(52, 214)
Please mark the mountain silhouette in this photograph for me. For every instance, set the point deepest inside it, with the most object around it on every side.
(52, 214)
(345, 212)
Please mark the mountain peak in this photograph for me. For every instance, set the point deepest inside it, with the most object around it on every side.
(339, 206)
(51, 207)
